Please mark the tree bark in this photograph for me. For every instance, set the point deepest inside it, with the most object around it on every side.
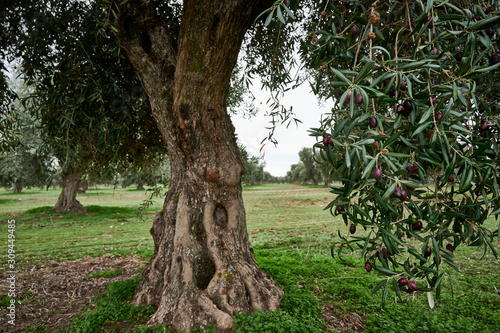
(18, 188)
(83, 187)
(67, 199)
(140, 187)
(203, 268)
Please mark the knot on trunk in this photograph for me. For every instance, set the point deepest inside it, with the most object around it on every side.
(212, 176)
(220, 216)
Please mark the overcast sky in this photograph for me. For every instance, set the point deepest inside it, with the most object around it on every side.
(290, 140)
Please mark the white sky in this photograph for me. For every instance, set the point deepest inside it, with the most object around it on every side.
(290, 140)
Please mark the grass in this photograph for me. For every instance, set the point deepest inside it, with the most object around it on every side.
(291, 236)
(104, 274)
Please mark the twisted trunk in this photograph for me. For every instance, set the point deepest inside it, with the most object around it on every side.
(67, 199)
(203, 268)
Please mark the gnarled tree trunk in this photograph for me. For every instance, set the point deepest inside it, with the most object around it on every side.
(67, 199)
(203, 268)
(83, 187)
(18, 188)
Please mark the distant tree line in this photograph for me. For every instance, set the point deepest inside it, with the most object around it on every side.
(311, 168)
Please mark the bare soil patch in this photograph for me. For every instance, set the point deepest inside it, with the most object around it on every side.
(52, 293)
(344, 322)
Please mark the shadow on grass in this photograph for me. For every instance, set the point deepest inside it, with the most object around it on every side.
(92, 209)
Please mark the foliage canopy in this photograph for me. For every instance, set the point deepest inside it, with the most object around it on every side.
(414, 127)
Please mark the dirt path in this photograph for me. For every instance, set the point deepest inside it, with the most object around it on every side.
(53, 293)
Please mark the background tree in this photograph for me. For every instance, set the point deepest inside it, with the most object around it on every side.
(253, 170)
(23, 167)
(310, 173)
(324, 168)
(22, 161)
(89, 102)
(147, 174)
(296, 173)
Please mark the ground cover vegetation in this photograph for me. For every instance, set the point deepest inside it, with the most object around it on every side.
(292, 244)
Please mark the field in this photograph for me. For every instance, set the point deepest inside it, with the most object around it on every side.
(66, 260)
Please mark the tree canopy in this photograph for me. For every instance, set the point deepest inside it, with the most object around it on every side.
(90, 104)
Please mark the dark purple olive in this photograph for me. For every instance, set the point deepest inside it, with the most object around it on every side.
(373, 122)
(417, 226)
(450, 156)
(495, 59)
(408, 105)
(429, 19)
(412, 285)
(403, 85)
(354, 31)
(358, 100)
(432, 100)
(348, 97)
(402, 282)
(392, 91)
(438, 116)
(340, 208)
(450, 248)
(428, 252)
(327, 141)
(368, 267)
(435, 51)
(352, 229)
(403, 196)
(464, 85)
(377, 174)
(458, 56)
(490, 32)
(336, 93)
(397, 192)
(461, 218)
(412, 169)
(287, 3)
(400, 109)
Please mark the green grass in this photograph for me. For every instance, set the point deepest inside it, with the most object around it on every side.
(104, 274)
(291, 235)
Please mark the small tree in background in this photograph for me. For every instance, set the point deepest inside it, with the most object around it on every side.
(23, 161)
(147, 174)
(253, 169)
(309, 173)
(324, 168)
